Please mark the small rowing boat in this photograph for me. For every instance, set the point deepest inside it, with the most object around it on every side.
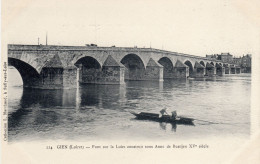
(163, 118)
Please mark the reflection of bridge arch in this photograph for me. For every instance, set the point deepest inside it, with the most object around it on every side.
(189, 64)
(167, 67)
(29, 74)
(134, 67)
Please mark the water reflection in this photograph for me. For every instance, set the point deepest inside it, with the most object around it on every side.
(88, 95)
(163, 126)
(102, 96)
(47, 98)
(33, 101)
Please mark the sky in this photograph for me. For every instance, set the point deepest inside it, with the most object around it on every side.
(196, 27)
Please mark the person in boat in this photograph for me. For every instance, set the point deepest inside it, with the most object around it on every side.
(174, 114)
(163, 111)
(165, 115)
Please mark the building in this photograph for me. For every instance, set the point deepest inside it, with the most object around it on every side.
(237, 61)
(246, 62)
(214, 56)
(225, 57)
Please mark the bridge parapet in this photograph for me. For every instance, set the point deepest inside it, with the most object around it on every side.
(183, 55)
(18, 47)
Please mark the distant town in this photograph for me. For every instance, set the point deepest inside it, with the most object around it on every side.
(244, 62)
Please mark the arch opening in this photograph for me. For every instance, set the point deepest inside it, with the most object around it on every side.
(135, 69)
(210, 69)
(188, 63)
(29, 74)
(225, 65)
(88, 62)
(219, 69)
(89, 70)
(212, 63)
(202, 63)
(167, 67)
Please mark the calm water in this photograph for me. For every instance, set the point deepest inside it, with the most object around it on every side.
(98, 112)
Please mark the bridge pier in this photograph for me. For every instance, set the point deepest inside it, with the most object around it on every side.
(70, 77)
(210, 70)
(220, 70)
(153, 71)
(181, 70)
(55, 76)
(112, 72)
(199, 70)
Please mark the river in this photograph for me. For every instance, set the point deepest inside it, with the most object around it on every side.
(98, 112)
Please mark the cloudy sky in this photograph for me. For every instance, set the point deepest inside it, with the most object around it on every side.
(195, 27)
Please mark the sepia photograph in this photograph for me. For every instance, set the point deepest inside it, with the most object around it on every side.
(178, 78)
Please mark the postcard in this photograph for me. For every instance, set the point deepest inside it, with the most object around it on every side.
(130, 81)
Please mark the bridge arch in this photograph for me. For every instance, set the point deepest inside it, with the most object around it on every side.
(89, 69)
(226, 65)
(167, 67)
(189, 64)
(135, 68)
(202, 63)
(88, 62)
(212, 64)
(29, 74)
(86, 56)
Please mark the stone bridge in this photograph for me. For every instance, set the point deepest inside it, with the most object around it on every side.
(53, 67)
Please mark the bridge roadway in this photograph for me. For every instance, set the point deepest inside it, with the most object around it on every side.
(55, 67)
